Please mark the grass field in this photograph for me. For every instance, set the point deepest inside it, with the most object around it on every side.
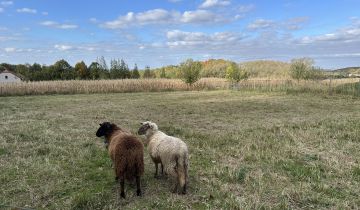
(249, 150)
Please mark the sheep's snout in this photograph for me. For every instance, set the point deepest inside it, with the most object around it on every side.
(142, 130)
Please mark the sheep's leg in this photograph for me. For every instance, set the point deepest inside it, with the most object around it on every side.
(122, 181)
(184, 189)
(138, 191)
(156, 171)
(162, 169)
(175, 190)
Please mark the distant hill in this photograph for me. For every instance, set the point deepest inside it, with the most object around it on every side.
(217, 68)
(267, 69)
(348, 70)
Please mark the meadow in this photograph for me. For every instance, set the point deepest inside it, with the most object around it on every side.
(249, 149)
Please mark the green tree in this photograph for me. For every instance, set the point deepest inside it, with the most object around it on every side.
(115, 72)
(81, 70)
(301, 68)
(124, 69)
(102, 62)
(190, 71)
(148, 73)
(235, 74)
(104, 71)
(62, 70)
(162, 73)
(36, 72)
(135, 73)
(23, 70)
(95, 70)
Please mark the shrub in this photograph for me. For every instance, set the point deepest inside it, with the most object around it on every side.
(190, 71)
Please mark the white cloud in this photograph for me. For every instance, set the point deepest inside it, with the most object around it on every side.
(82, 48)
(10, 49)
(6, 3)
(161, 16)
(49, 23)
(5, 38)
(27, 10)
(67, 26)
(295, 23)
(153, 16)
(63, 47)
(178, 38)
(261, 24)
(198, 16)
(93, 20)
(54, 24)
(245, 8)
(45, 13)
(156, 16)
(292, 24)
(348, 34)
(214, 3)
(1, 10)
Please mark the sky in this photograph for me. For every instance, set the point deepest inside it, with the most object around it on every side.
(165, 32)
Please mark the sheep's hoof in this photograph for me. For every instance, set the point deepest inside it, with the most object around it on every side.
(122, 195)
(138, 193)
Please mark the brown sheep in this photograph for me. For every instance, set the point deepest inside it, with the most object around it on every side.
(126, 152)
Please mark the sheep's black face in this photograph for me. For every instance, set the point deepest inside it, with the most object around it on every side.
(105, 129)
(144, 127)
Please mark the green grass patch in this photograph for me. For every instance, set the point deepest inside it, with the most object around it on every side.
(248, 150)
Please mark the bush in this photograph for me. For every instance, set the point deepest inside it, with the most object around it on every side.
(190, 71)
(235, 74)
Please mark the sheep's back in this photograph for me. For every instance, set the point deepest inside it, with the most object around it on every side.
(128, 156)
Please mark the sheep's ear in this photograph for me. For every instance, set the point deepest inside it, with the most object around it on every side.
(100, 124)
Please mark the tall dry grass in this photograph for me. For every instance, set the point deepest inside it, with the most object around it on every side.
(156, 85)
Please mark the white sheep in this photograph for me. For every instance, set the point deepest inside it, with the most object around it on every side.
(171, 152)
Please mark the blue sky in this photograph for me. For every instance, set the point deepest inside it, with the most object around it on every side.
(162, 32)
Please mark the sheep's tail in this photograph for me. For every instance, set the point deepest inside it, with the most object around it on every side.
(182, 164)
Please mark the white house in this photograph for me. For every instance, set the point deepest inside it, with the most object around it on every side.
(8, 76)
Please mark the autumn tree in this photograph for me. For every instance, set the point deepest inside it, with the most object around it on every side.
(81, 70)
(190, 71)
(235, 74)
(162, 73)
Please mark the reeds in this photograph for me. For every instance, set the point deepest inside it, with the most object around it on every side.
(338, 86)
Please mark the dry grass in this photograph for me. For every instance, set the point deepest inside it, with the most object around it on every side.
(106, 86)
(157, 85)
(249, 150)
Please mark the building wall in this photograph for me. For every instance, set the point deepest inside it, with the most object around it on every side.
(9, 77)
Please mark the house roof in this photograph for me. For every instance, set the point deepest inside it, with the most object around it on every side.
(11, 72)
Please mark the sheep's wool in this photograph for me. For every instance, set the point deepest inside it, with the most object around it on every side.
(167, 148)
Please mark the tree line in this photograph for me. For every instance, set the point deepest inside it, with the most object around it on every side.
(62, 70)
(189, 71)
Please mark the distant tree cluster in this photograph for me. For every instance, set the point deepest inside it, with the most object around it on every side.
(303, 69)
(234, 73)
(189, 71)
(62, 70)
